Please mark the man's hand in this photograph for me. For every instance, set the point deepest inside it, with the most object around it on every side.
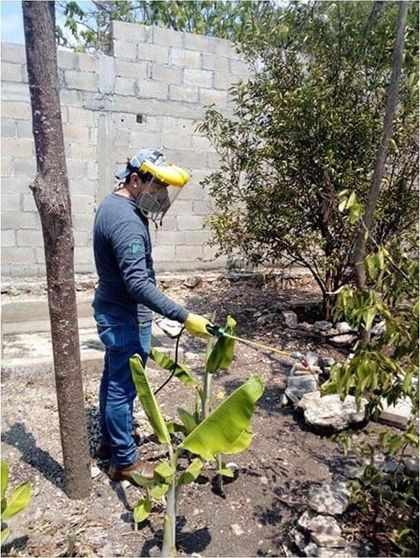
(197, 325)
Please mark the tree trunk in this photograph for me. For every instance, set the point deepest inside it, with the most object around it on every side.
(391, 103)
(52, 198)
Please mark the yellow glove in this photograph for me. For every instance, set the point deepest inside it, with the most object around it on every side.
(196, 325)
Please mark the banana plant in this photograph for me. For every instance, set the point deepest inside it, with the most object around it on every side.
(16, 502)
(205, 436)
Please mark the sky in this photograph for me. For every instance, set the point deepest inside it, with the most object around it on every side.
(12, 20)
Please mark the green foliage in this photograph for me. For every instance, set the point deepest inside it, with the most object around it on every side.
(296, 159)
(384, 368)
(91, 29)
(203, 436)
(15, 503)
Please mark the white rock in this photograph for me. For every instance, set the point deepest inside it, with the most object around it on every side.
(396, 415)
(323, 325)
(94, 471)
(297, 386)
(343, 339)
(331, 499)
(330, 412)
(319, 524)
(236, 529)
(329, 541)
(289, 318)
(343, 327)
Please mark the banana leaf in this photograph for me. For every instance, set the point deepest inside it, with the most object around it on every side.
(182, 372)
(4, 534)
(221, 355)
(223, 430)
(142, 510)
(191, 472)
(148, 400)
(159, 490)
(187, 419)
(18, 500)
(164, 472)
(4, 477)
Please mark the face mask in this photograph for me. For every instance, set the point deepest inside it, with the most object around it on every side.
(155, 200)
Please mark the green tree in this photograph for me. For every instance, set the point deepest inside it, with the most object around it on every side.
(304, 136)
(91, 29)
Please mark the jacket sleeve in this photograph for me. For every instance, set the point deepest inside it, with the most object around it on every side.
(128, 242)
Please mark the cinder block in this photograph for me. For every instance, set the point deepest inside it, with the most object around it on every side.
(185, 58)
(131, 69)
(13, 53)
(8, 238)
(86, 152)
(202, 78)
(83, 81)
(188, 252)
(239, 67)
(17, 255)
(211, 96)
(83, 255)
(83, 186)
(83, 221)
(76, 116)
(8, 128)
(193, 159)
(163, 253)
(28, 203)
(83, 238)
(76, 169)
(183, 207)
(154, 53)
(92, 170)
(196, 238)
(202, 207)
(11, 72)
(168, 238)
(16, 184)
(189, 223)
(82, 204)
(24, 167)
(168, 74)
(169, 222)
(93, 135)
(124, 86)
(15, 92)
(201, 143)
(76, 134)
(125, 50)
(40, 255)
(199, 42)
(10, 202)
(215, 62)
(24, 129)
(66, 60)
(224, 80)
(30, 238)
(193, 191)
(18, 147)
(166, 37)
(223, 47)
(176, 139)
(184, 93)
(123, 31)
(154, 90)
(144, 138)
(6, 165)
(87, 62)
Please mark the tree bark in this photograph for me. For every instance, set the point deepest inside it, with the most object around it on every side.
(52, 198)
(391, 104)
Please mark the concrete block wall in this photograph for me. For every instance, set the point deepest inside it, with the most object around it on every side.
(151, 92)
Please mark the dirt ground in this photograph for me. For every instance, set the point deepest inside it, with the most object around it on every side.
(260, 506)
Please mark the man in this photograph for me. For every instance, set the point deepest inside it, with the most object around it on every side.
(126, 295)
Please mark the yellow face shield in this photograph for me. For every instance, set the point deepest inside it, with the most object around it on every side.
(168, 174)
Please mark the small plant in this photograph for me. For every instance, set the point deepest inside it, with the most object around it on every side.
(201, 436)
(15, 503)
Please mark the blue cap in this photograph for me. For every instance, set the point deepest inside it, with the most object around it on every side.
(146, 154)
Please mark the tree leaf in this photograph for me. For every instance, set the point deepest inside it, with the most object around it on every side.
(187, 419)
(164, 471)
(182, 372)
(222, 353)
(220, 431)
(191, 472)
(142, 510)
(4, 477)
(159, 490)
(18, 500)
(4, 535)
(148, 400)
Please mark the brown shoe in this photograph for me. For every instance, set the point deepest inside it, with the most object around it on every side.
(103, 452)
(142, 467)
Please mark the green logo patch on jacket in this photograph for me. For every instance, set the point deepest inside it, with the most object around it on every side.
(135, 247)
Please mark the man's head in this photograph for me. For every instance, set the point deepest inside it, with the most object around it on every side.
(153, 181)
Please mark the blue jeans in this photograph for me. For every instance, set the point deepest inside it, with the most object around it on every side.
(122, 338)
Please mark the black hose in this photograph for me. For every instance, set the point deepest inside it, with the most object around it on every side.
(175, 365)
